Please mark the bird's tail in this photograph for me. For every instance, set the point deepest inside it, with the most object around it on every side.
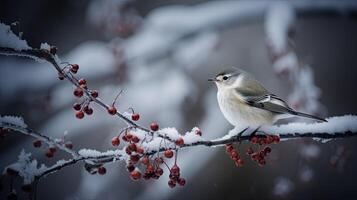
(308, 116)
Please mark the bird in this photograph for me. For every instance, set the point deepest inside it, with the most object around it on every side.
(244, 101)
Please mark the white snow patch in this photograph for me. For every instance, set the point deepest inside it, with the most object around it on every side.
(10, 40)
(45, 46)
(95, 153)
(18, 121)
(26, 167)
(340, 124)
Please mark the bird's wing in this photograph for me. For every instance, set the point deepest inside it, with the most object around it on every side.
(269, 102)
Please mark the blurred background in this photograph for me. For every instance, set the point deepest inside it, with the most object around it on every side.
(161, 54)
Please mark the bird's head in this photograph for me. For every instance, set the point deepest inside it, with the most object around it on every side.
(228, 78)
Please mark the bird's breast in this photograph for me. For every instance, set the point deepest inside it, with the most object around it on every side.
(238, 113)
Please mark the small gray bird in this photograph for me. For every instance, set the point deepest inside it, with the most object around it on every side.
(245, 102)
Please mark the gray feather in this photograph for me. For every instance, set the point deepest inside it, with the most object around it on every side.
(272, 103)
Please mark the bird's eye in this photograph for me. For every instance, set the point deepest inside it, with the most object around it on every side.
(225, 77)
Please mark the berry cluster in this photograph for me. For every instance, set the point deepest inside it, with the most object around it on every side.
(259, 155)
(150, 164)
(51, 150)
(175, 177)
(230, 150)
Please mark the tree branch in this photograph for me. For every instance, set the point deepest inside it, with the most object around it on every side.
(99, 158)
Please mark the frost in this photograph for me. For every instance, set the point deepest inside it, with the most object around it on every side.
(45, 46)
(27, 168)
(172, 133)
(192, 137)
(94, 153)
(18, 121)
(10, 40)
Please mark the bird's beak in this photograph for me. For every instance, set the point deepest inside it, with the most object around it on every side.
(212, 79)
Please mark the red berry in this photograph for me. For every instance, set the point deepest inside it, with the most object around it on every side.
(255, 156)
(134, 158)
(125, 138)
(276, 138)
(94, 93)
(112, 110)
(262, 162)
(128, 151)
(239, 162)
(129, 136)
(80, 114)
(254, 140)
(198, 132)
(132, 147)
(145, 160)
(234, 155)
(181, 181)
(262, 141)
(250, 151)
(102, 170)
(267, 150)
(135, 116)
(154, 126)
(74, 68)
(180, 142)
(78, 92)
(171, 183)
(49, 154)
(130, 168)
(159, 171)
(135, 139)
(135, 175)
(60, 76)
(69, 145)
(37, 143)
(82, 81)
(52, 149)
(139, 150)
(88, 110)
(229, 148)
(27, 188)
(159, 160)
(150, 168)
(269, 139)
(77, 106)
(53, 50)
(169, 153)
(175, 170)
(115, 141)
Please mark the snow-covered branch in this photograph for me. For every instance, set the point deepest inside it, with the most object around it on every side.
(336, 127)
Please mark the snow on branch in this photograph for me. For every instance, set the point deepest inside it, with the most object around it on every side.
(336, 127)
(9, 39)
